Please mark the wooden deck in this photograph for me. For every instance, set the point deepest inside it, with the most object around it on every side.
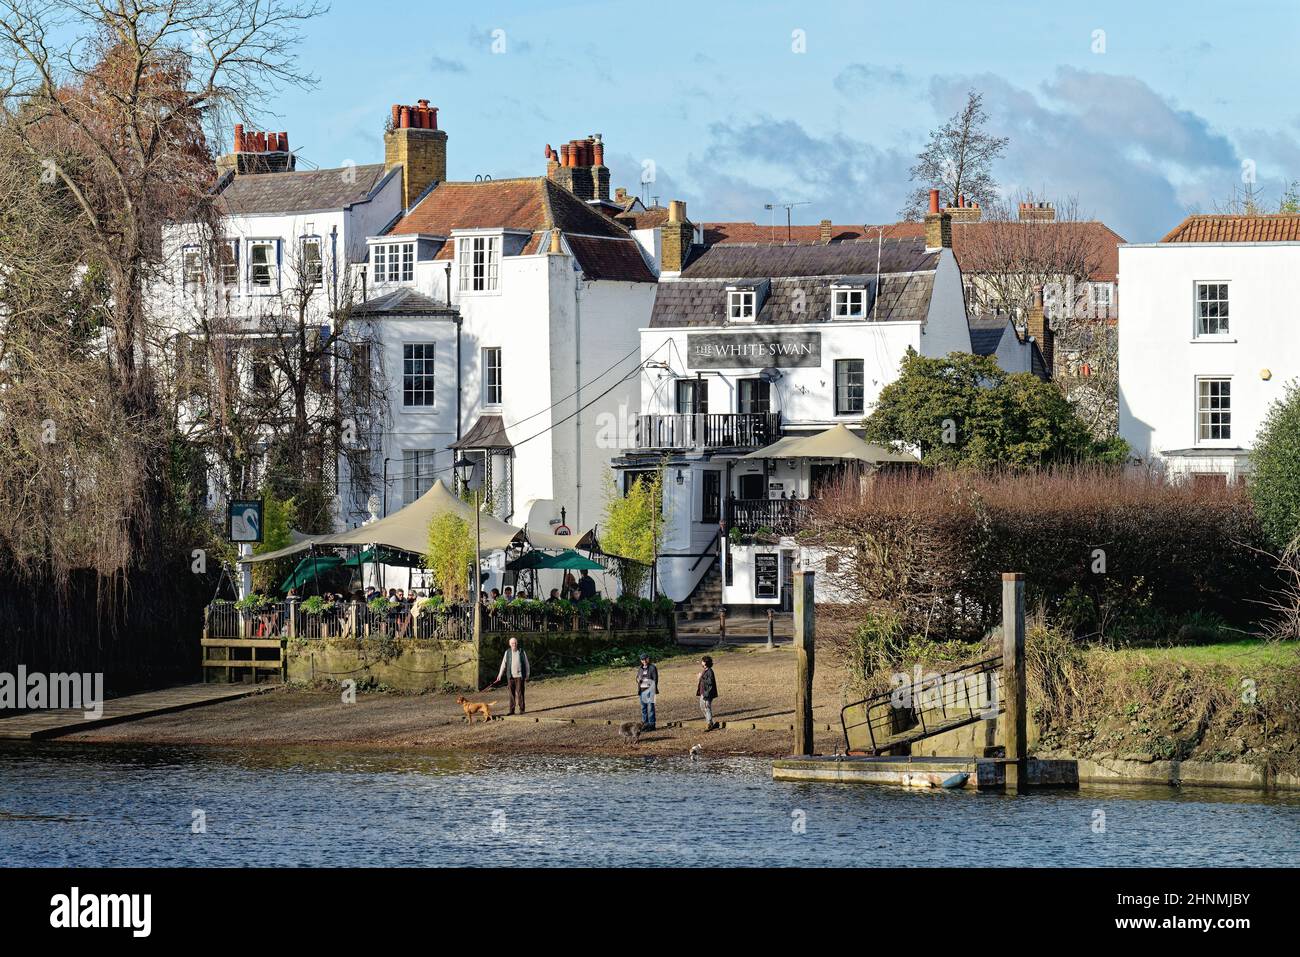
(35, 725)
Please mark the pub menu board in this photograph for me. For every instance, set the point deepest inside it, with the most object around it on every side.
(767, 575)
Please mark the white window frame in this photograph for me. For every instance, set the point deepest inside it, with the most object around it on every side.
(862, 385)
(417, 465)
(1102, 297)
(303, 243)
(192, 271)
(1225, 320)
(847, 295)
(392, 262)
(272, 285)
(493, 391)
(478, 263)
(421, 367)
(742, 305)
(1205, 412)
(228, 273)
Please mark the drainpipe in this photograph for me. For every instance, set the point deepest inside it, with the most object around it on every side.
(334, 262)
(458, 324)
(577, 371)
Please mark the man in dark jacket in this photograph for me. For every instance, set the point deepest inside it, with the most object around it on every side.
(707, 689)
(647, 686)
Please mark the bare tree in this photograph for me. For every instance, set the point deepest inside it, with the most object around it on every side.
(958, 161)
(1008, 262)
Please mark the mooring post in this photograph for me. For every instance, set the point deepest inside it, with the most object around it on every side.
(771, 625)
(1013, 678)
(804, 631)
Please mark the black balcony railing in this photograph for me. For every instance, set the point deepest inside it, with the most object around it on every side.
(705, 430)
(785, 516)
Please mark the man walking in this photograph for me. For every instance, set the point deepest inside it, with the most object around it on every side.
(707, 689)
(647, 686)
(514, 664)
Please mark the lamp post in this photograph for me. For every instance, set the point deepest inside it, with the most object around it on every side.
(465, 471)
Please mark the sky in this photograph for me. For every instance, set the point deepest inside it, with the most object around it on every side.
(1141, 111)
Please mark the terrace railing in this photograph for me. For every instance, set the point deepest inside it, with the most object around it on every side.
(749, 430)
(784, 516)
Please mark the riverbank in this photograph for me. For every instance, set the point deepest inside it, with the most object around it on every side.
(573, 714)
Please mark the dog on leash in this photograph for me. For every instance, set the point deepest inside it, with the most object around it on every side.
(631, 730)
(475, 707)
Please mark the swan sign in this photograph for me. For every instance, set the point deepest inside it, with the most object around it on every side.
(246, 521)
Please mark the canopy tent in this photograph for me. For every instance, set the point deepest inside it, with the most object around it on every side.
(407, 530)
(313, 569)
(528, 560)
(569, 559)
(385, 556)
(837, 442)
(300, 542)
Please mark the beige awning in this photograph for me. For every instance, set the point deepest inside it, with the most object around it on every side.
(408, 529)
(837, 442)
(300, 541)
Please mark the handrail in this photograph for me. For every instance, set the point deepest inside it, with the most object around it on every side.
(706, 553)
(916, 690)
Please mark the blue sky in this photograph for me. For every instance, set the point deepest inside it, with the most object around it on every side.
(714, 95)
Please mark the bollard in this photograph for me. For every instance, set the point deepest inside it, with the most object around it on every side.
(1013, 678)
(771, 626)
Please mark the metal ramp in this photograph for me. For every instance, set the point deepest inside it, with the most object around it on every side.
(922, 707)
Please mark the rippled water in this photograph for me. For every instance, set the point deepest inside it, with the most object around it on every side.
(119, 806)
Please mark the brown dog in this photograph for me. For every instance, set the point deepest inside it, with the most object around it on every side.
(631, 730)
(475, 707)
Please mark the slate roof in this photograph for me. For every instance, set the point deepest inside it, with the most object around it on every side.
(1279, 228)
(298, 192)
(986, 335)
(536, 205)
(801, 279)
(404, 301)
(767, 234)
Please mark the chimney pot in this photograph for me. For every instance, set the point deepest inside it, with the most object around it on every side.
(598, 154)
(677, 211)
(406, 118)
(555, 242)
(397, 116)
(934, 200)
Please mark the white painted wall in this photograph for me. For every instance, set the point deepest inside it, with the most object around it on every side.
(1160, 358)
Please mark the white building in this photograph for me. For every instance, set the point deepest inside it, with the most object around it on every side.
(506, 317)
(752, 342)
(1208, 340)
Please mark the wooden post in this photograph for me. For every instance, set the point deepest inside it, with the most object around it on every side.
(804, 634)
(1013, 678)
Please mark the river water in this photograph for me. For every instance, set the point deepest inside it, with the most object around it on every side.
(75, 805)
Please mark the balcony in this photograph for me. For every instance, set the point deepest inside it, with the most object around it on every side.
(704, 430)
(784, 516)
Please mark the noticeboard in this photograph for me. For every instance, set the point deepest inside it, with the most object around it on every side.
(767, 575)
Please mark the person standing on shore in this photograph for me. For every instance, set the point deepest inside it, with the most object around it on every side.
(514, 664)
(647, 686)
(707, 689)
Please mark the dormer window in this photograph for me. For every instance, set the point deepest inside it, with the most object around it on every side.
(740, 305)
(393, 262)
(479, 259)
(849, 303)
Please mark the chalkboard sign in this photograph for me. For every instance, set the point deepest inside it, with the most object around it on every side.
(767, 575)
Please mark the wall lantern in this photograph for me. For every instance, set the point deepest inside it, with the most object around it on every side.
(681, 479)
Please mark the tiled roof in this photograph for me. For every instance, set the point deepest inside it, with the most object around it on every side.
(602, 258)
(644, 219)
(1280, 228)
(305, 192)
(973, 244)
(603, 248)
(804, 299)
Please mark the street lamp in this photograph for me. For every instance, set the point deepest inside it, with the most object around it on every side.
(466, 470)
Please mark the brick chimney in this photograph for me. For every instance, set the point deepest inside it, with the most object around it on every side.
(415, 143)
(580, 168)
(938, 225)
(1037, 213)
(257, 153)
(1040, 330)
(826, 231)
(966, 211)
(678, 234)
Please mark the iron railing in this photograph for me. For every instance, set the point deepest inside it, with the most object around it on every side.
(704, 430)
(785, 516)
